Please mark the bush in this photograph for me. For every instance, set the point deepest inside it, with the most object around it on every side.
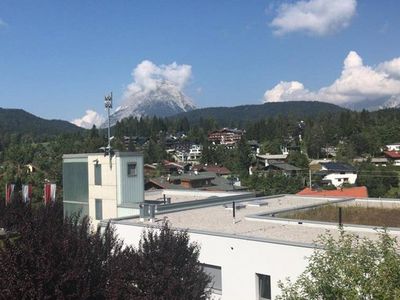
(54, 258)
(349, 268)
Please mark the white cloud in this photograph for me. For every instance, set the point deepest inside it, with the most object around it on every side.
(357, 83)
(89, 119)
(316, 17)
(147, 77)
(391, 67)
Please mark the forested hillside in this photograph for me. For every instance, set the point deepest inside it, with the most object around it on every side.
(18, 121)
(225, 116)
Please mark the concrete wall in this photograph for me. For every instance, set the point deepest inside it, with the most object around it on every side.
(240, 260)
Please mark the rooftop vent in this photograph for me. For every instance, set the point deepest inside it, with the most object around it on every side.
(147, 212)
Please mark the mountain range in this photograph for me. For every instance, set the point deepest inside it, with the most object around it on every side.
(163, 101)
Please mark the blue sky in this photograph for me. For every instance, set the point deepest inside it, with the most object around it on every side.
(59, 58)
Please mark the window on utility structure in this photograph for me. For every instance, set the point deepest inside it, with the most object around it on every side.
(99, 209)
(97, 174)
(216, 279)
(131, 169)
(264, 286)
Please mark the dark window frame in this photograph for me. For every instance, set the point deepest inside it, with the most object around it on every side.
(216, 269)
(263, 286)
(97, 174)
(98, 204)
(129, 168)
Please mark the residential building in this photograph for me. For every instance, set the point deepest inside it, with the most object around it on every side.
(217, 169)
(267, 159)
(150, 170)
(225, 136)
(393, 147)
(174, 168)
(255, 146)
(195, 153)
(283, 168)
(338, 173)
(209, 181)
(186, 152)
(393, 157)
(376, 161)
(103, 187)
(249, 252)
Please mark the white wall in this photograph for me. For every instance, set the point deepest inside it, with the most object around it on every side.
(107, 191)
(240, 260)
(338, 179)
(393, 147)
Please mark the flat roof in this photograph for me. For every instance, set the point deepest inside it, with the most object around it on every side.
(186, 195)
(116, 153)
(251, 222)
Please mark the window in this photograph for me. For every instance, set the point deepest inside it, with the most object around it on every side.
(216, 278)
(131, 169)
(264, 286)
(99, 209)
(97, 174)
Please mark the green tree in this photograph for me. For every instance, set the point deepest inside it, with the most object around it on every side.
(271, 146)
(166, 266)
(349, 267)
(378, 180)
(298, 159)
(345, 152)
(242, 157)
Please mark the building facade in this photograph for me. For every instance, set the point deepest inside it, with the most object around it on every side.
(103, 187)
(248, 253)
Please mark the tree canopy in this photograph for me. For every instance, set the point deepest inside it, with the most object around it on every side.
(349, 267)
(49, 257)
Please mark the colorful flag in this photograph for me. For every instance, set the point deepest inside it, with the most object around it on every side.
(9, 192)
(26, 192)
(49, 192)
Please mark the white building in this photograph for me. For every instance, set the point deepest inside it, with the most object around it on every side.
(103, 188)
(339, 173)
(247, 255)
(195, 152)
(393, 147)
(267, 158)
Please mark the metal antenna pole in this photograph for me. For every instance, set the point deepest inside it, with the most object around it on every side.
(108, 106)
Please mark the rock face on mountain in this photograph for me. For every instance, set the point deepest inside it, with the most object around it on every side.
(164, 101)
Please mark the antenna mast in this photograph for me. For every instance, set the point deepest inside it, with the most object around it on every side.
(108, 106)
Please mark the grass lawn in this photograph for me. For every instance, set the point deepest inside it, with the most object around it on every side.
(373, 216)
